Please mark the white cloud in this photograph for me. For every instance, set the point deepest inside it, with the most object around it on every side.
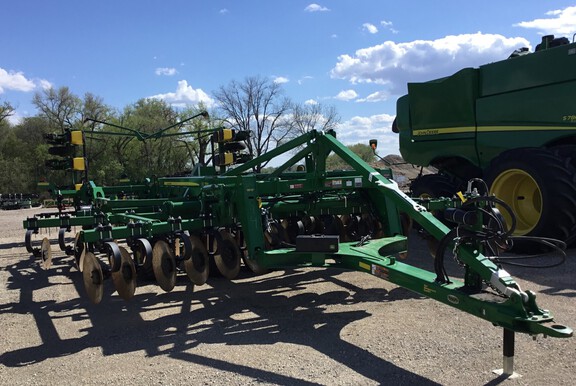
(311, 102)
(281, 80)
(15, 81)
(223, 11)
(305, 78)
(44, 84)
(561, 22)
(346, 95)
(395, 64)
(166, 71)
(315, 8)
(370, 28)
(389, 26)
(378, 96)
(186, 95)
(362, 129)
(15, 119)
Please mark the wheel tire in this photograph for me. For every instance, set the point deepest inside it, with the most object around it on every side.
(395, 126)
(432, 186)
(568, 155)
(540, 188)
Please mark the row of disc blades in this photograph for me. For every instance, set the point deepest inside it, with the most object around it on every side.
(124, 279)
(164, 263)
(227, 250)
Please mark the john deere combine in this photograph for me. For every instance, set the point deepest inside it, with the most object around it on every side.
(512, 123)
(355, 220)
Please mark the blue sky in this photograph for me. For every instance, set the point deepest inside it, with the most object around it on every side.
(354, 55)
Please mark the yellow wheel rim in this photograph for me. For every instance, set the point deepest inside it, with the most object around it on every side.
(519, 190)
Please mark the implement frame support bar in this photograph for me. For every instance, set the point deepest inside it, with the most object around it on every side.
(509, 313)
(382, 190)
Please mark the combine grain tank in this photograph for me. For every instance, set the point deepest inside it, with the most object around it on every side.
(512, 123)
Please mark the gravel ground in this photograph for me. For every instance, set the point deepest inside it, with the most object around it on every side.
(295, 327)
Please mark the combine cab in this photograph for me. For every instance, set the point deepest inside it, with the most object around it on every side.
(511, 123)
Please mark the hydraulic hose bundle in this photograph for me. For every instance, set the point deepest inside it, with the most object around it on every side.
(481, 224)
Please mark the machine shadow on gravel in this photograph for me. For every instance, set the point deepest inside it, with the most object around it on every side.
(265, 310)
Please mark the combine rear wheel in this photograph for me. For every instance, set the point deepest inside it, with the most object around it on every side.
(540, 188)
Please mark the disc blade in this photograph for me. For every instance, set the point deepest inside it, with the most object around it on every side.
(125, 278)
(197, 266)
(227, 257)
(164, 265)
(142, 251)
(28, 240)
(78, 250)
(333, 226)
(45, 254)
(250, 263)
(93, 277)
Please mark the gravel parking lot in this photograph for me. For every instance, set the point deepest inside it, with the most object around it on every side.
(294, 327)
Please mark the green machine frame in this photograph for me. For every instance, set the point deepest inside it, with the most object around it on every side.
(251, 207)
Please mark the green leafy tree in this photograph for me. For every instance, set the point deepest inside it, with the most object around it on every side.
(33, 151)
(365, 152)
(65, 111)
(135, 142)
(196, 133)
(14, 165)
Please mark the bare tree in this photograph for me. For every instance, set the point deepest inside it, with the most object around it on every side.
(256, 105)
(6, 110)
(60, 107)
(198, 140)
(307, 117)
(94, 107)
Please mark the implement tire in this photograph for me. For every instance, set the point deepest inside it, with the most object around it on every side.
(540, 188)
(432, 186)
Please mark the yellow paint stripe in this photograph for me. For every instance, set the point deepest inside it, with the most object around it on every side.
(364, 266)
(487, 129)
(444, 130)
(180, 183)
(524, 128)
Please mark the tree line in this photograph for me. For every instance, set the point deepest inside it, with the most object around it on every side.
(125, 146)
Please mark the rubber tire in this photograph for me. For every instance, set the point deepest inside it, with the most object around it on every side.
(554, 179)
(433, 186)
(568, 155)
